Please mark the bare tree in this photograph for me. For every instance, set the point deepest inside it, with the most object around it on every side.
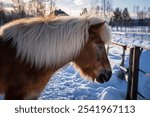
(2, 14)
(1, 5)
(148, 16)
(134, 10)
(142, 14)
(106, 7)
(102, 7)
(84, 12)
(37, 7)
(18, 5)
(52, 5)
(148, 12)
(109, 8)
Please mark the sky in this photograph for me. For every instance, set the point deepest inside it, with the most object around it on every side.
(74, 7)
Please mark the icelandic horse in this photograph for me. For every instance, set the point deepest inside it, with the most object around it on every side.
(33, 49)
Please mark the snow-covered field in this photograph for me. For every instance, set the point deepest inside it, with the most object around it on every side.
(68, 84)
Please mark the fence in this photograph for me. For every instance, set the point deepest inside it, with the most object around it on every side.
(133, 70)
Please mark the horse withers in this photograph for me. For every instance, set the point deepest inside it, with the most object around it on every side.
(33, 49)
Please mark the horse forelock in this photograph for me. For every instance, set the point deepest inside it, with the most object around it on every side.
(45, 42)
(105, 31)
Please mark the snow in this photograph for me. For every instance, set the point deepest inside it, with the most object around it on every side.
(132, 39)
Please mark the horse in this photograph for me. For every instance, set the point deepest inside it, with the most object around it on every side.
(33, 49)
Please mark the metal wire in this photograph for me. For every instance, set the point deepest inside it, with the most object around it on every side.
(145, 73)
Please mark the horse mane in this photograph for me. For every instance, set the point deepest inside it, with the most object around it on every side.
(50, 42)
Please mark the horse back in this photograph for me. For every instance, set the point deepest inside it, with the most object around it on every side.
(18, 76)
(6, 60)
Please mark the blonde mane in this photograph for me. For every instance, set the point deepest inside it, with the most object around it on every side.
(50, 42)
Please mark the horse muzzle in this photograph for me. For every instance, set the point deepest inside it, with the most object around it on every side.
(104, 76)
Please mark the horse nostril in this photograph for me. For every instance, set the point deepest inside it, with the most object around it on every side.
(101, 78)
(104, 77)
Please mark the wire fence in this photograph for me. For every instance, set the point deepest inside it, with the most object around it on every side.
(133, 71)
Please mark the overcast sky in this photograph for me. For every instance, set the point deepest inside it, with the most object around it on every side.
(75, 6)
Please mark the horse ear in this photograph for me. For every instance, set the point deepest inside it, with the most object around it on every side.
(96, 27)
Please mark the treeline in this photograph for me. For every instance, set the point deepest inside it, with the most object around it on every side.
(21, 9)
(131, 22)
(6, 16)
(122, 18)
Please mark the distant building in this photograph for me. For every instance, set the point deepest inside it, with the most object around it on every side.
(59, 12)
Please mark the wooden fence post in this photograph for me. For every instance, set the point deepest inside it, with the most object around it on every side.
(123, 56)
(121, 73)
(130, 75)
(133, 73)
(135, 69)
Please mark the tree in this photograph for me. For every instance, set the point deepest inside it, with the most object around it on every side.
(135, 10)
(117, 17)
(1, 5)
(141, 14)
(102, 7)
(148, 12)
(18, 5)
(125, 16)
(148, 16)
(52, 5)
(19, 9)
(84, 12)
(109, 8)
(36, 7)
(106, 6)
(2, 14)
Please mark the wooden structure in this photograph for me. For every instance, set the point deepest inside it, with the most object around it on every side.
(133, 70)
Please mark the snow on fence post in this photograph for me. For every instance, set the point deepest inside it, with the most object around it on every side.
(133, 73)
